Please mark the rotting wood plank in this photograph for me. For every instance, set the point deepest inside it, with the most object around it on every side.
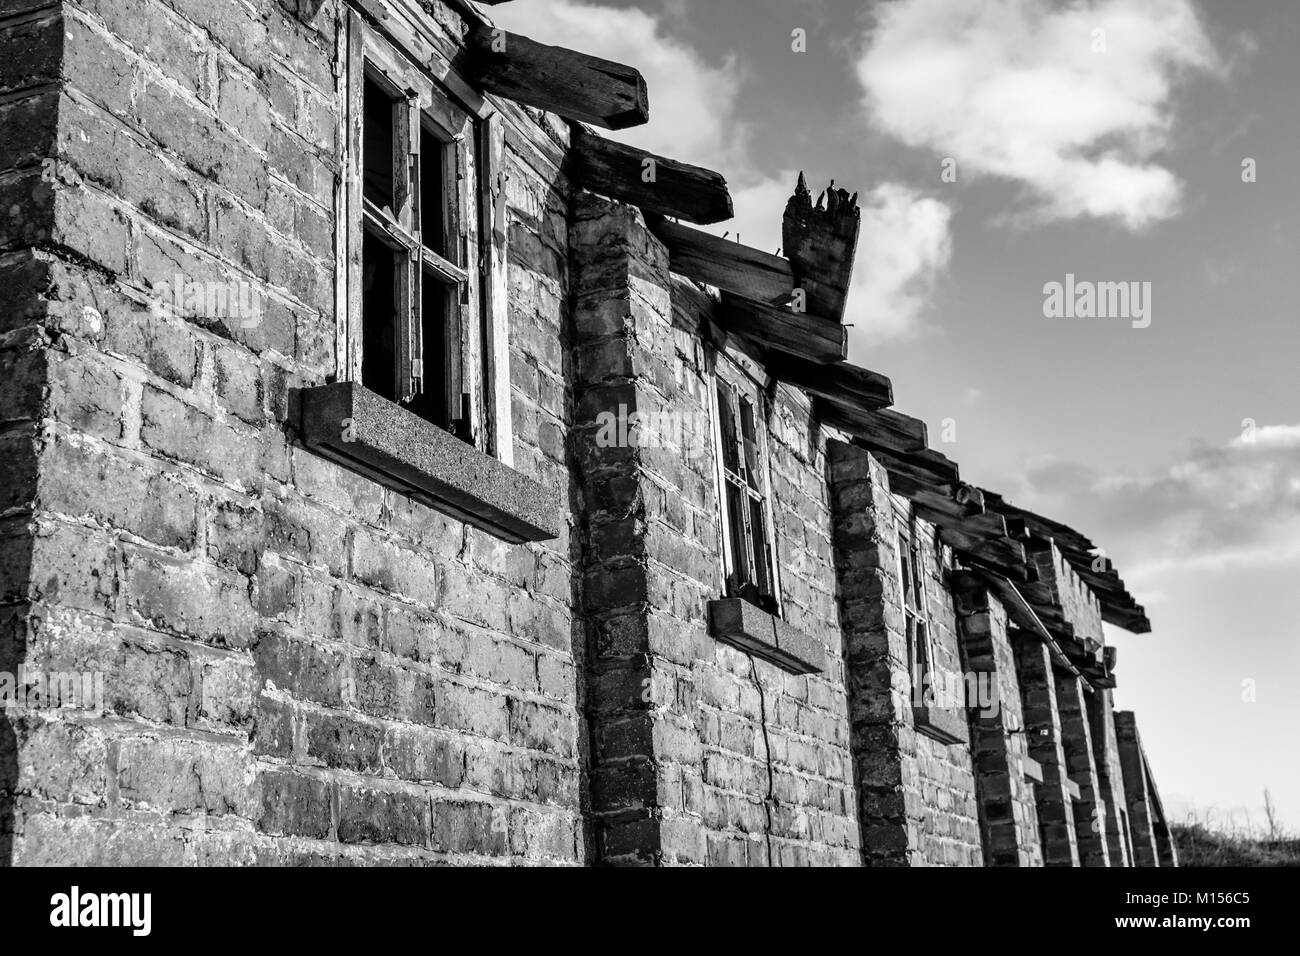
(574, 85)
(656, 184)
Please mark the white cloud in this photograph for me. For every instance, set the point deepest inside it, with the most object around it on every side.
(1016, 89)
(1237, 504)
(906, 241)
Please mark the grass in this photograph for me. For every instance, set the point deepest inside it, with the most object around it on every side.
(1204, 840)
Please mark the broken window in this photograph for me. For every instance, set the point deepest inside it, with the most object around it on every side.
(426, 311)
(748, 549)
(913, 573)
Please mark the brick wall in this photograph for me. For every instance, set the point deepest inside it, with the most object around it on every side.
(702, 753)
(1110, 776)
(916, 795)
(301, 666)
(1042, 728)
(999, 745)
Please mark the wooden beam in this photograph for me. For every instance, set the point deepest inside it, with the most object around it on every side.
(1118, 606)
(575, 85)
(731, 267)
(884, 429)
(674, 188)
(1003, 555)
(803, 336)
(843, 384)
(927, 468)
(938, 503)
(980, 537)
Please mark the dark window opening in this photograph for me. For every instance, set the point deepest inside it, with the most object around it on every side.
(379, 309)
(433, 192)
(380, 113)
(439, 361)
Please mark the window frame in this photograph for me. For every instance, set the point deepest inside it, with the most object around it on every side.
(916, 611)
(468, 259)
(753, 479)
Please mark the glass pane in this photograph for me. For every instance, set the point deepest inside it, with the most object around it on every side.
(379, 317)
(377, 146)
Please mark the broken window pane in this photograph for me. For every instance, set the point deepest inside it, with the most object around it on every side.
(379, 317)
(377, 148)
(434, 403)
(433, 193)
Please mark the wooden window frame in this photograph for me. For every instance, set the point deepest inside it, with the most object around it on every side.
(913, 573)
(468, 259)
(751, 478)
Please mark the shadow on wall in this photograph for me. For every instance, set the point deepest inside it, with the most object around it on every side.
(12, 653)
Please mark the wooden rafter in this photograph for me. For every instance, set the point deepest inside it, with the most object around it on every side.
(802, 336)
(843, 384)
(727, 265)
(656, 184)
(1118, 606)
(574, 85)
(881, 430)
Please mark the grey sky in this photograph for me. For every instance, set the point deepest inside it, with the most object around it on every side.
(1115, 164)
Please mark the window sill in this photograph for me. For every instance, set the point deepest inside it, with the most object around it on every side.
(944, 724)
(750, 628)
(402, 451)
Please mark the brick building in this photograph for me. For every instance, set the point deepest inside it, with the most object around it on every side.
(391, 475)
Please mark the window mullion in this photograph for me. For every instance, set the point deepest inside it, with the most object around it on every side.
(406, 158)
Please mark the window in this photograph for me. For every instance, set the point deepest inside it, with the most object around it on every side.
(425, 305)
(913, 573)
(748, 549)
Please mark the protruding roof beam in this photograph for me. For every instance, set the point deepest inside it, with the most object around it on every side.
(731, 267)
(843, 383)
(801, 335)
(1118, 607)
(655, 183)
(882, 430)
(575, 85)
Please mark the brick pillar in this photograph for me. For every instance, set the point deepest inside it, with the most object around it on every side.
(1076, 739)
(1101, 719)
(1166, 850)
(645, 754)
(1140, 816)
(29, 118)
(1042, 727)
(1008, 815)
(882, 739)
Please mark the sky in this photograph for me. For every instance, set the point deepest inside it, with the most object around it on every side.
(999, 147)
